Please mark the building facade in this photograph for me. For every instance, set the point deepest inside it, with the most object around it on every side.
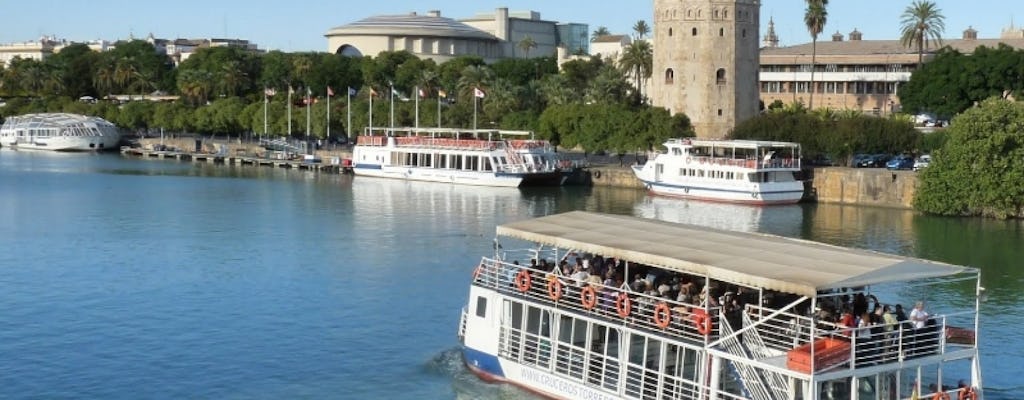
(706, 62)
(851, 73)
(491, 36)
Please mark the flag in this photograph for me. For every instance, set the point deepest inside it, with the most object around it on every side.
(269, 92)
(330, 92)
(395, 92)
(352, 92)
(373, 92)
(442, 94)
(423, 93)
(478, 93)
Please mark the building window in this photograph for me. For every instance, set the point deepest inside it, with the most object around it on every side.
(721, 31)
(716, 14)
(744, 33)
(720, 76)
(670, 76)
(719, 112)
(725, 14)
(481, 307)
(670, 32)
(694, 32)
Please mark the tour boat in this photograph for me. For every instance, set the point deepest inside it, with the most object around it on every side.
(59, 132)
(735, 315)
(472, 157)
(735, 171)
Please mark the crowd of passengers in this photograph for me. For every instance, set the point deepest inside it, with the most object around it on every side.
(850, 313)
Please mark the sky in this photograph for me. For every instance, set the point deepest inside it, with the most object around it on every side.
(300, 25)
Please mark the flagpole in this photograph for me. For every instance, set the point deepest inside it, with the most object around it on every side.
(328, 137)
(392, 108)
(439, 108)
(371, 112)
(309, 105)
(474, 111)
(348, 122)
(290, 112)
(417, 93)
(266, 101)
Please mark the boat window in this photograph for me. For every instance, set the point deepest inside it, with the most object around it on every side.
(517, 315)
(677, 151)
(481, 307)
(487, 164)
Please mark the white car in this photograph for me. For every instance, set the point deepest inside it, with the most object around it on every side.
(922, 162)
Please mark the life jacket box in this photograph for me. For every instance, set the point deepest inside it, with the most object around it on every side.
(828, 352)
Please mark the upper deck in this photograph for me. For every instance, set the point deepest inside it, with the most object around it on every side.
(455, 139)
(752, 154)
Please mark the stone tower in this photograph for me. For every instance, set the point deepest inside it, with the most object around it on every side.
(706, 62)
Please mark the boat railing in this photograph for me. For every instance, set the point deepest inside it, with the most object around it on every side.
(836, 346)
(445, 143)
(750, 163)
(661, 315)
(372, 140)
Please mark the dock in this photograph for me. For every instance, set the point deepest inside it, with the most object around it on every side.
(342, 166)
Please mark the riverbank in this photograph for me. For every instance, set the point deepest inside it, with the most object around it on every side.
(834, 185)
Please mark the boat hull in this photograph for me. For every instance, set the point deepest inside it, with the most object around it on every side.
(532, 380)
(64, 143)
(789, 193)
(439, 175)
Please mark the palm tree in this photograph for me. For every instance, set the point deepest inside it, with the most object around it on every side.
(921, 21)
(125, 72)
(815, 18)
(526, 44)
(641, 29)
(600, 31)
(637, 59)
(474, 76)
(233, 78)
(104, 78)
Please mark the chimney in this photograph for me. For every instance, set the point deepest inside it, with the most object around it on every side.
(434, 13)
(855, 35)
(837, 37)
(970, 34)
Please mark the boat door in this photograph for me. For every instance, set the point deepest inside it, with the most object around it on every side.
(659, 169)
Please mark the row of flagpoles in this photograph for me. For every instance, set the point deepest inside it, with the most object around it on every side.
(308, 101)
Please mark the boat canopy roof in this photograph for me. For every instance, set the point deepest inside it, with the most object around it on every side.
(740, 144)
(756, 260)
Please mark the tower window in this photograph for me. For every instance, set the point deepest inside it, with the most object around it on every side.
(670, 76)
(744, 33)
(716, 14)
(719, 112)
(721, 31)
(720, 76)
(694, 31)
(669, 32)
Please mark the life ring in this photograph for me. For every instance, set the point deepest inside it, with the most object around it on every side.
(478, 271)
(701, 321)
(940, 395)
(588, 297)
(623, 305)
(662, 315)
(597, 174)
(555, 289)
(968, 393)
(523, 281)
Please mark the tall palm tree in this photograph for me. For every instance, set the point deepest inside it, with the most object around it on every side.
(921, 22)
(232, 78)
(125, 72)
(637, 59)
(526, 44)
(641, 29)
(600, 31)
(815, 18)
(474, 76)
(104, 78)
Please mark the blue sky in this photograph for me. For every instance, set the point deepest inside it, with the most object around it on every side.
(299, 25)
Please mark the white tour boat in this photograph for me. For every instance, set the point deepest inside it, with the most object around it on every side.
(472, 157)
(735, 171)
(689, 312)
(59, 132)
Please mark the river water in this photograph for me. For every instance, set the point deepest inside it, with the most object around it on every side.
(129, 278)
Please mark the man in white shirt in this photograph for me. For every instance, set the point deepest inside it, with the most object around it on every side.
(918, 316)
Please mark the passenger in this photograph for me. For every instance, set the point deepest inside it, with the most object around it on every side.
(918, 316)
(579, 275)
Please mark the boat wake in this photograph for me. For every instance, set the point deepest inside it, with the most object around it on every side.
(467, 386)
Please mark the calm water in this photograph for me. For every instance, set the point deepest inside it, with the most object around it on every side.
(124, 278)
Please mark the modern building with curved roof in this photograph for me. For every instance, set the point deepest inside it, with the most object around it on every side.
(491, 36)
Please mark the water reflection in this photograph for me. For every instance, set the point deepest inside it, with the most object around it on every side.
(780, 220)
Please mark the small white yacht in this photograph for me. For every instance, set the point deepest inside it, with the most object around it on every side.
(734, 171)
(59, 132)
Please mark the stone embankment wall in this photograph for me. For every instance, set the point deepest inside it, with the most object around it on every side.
(864, 186)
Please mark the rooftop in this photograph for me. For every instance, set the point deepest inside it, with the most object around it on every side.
(411, 24)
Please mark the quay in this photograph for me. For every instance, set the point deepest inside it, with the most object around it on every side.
(343, 166)
(230, 152)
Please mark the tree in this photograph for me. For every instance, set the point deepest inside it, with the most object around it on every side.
(600, 31)
(921, 23)
(815, 18)
(641, 29)
(638, 59)
(526, 45)
(474, 77)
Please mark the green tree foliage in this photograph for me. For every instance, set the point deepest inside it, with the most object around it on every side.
(980, 169)
(921, 23)
(953, 81)
(837, 136)
(614, 127)
(75, 65)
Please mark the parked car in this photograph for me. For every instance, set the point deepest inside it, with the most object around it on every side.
(900, 162)
(922, 162)
(871, 161)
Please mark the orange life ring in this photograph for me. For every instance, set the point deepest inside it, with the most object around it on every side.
(662, 315)
(588, 297)
(623, 305)
(523, 281)
(555, 289)
(701, 320)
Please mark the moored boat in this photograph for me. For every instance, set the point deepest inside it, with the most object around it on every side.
(734, 171)
(472, 157)
(59, 132)
(658, 310)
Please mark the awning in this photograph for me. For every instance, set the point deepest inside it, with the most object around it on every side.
(750, 259)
